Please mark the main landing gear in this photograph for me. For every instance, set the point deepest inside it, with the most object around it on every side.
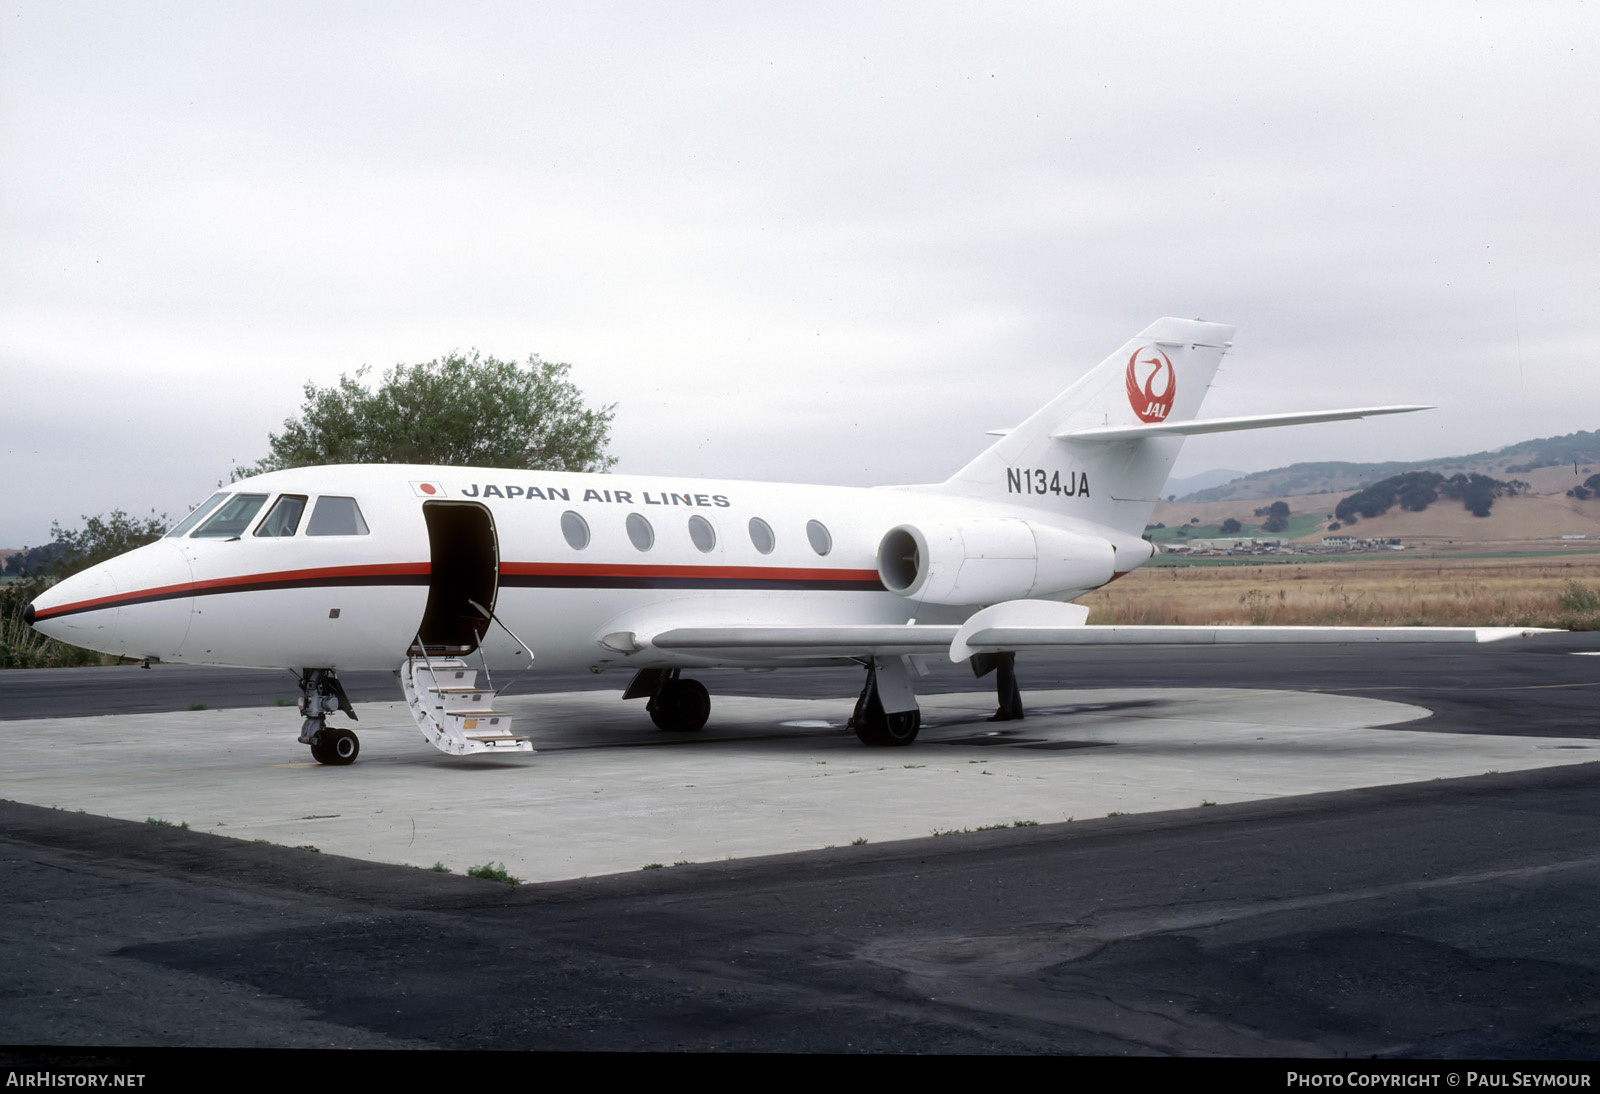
(1004, 666)
(886, 714)
(321, 694)
(676, 705)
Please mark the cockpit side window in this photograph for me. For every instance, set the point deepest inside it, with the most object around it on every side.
(199, 514)
(230, 521)
(284, 516)
(336, 517)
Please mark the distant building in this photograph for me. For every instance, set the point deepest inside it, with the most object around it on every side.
(1371, 543)
(1238, 543)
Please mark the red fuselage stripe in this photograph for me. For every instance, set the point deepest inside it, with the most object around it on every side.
(769, 573)
(408, 573)
(327, 575)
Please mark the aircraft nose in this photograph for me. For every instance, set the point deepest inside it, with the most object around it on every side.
(81, 610)
(135, 605)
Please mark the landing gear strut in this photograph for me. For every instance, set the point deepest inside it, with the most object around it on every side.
(1004, 666)
(887, 686)
(321, 694)
(676, 705)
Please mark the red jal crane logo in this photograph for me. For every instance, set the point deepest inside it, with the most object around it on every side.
(1151, 405)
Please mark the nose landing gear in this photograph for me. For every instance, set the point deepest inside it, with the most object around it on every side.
(321, 694)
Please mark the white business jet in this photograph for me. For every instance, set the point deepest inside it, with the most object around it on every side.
(325, 569)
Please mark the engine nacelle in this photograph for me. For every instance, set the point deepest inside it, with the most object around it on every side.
(988, 561)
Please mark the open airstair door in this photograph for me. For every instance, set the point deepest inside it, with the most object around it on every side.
(454, 711)
(465, 567)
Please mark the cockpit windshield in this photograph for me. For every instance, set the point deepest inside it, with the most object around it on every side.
(197, 516)
(232, 519)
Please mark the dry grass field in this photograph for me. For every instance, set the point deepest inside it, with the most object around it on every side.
(1382, 591)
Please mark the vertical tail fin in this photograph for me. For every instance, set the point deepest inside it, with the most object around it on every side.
(1160, 375)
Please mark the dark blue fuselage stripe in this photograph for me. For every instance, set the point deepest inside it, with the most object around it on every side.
(246, 587)
(507, 581)
(590, 581)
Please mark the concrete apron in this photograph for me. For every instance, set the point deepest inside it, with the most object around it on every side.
(609, 793)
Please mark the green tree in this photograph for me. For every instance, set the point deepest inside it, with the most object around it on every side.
(1277, 517)
(459, 411)
(100, 538)
(22, 647)
(1231, 526)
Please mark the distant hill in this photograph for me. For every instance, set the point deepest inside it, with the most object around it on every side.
(1203, 481)
(1335, 477)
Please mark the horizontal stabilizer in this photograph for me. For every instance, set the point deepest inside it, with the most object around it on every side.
(1195, 426)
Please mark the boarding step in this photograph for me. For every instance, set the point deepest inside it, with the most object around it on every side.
(474, 695)
(452, 712)
(481, 725)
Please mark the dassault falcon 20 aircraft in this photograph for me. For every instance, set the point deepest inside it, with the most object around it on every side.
(325, 569)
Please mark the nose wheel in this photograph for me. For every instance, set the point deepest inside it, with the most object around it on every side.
(321, 694)
(336, 747)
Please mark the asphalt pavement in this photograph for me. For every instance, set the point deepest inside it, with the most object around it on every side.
(1517, 686)
(1448, 918)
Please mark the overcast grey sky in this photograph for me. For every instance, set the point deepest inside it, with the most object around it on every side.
(826, 242)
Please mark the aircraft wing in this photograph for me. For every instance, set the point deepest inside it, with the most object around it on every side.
(1021, 625)
(1016, 638)
(1046, 624)
(865, 640)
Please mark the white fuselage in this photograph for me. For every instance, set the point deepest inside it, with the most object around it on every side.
(350, 601)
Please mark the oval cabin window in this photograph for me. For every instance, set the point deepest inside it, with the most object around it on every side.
(640, 533)
(817, 533)
(761, 535)
(575, 529)
(701, 534)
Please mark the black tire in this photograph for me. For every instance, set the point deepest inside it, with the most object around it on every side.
(682, 707)
(336, 747)
(874, 727)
